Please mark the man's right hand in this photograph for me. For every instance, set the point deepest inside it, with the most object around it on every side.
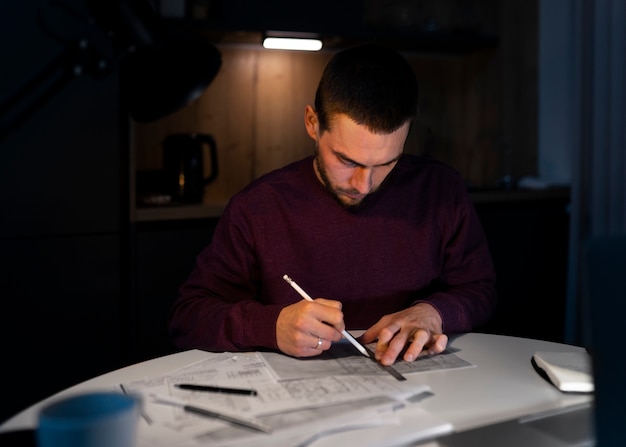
(307, 328)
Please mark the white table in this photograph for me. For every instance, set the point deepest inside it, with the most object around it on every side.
(503, 385)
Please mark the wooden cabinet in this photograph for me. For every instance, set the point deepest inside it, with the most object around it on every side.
(62, 246)
(165, 253)
(63, 224)
(62, 314)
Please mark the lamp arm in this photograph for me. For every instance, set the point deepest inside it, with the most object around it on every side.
(75, 61)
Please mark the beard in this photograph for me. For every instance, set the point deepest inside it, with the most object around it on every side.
(336, 193)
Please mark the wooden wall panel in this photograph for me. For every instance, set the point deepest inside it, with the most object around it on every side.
(518, 62)
(254, 108)
(482, 113)
(458, 113)
(286, 84)
(226, 110)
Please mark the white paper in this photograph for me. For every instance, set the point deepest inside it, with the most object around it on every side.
(304, 408)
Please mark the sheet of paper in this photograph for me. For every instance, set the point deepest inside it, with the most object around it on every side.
(343, 359)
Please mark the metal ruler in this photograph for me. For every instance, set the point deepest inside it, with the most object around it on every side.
(390, 369)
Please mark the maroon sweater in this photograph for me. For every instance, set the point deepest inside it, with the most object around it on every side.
(415, 239)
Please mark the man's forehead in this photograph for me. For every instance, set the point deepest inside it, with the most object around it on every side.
(357, 144)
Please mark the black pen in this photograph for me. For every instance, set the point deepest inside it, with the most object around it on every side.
(215, 389)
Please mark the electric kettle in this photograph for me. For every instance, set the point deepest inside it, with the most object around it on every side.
(183, 165)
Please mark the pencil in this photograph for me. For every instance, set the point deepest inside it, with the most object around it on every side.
(345, 333)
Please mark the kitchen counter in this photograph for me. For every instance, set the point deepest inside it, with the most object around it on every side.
(480, 196)
(178, 212)
(211, 210)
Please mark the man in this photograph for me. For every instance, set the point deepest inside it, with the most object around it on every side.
(388, 242)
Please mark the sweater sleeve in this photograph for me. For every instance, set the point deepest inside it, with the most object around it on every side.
(217, 307)
(464, 294)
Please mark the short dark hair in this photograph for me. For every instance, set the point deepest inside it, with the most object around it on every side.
(372, 84)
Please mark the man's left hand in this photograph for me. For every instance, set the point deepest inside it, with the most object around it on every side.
(417, 328)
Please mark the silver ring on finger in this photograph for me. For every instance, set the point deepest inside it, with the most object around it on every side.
(319, 343)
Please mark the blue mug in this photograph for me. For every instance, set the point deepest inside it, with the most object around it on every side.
(96, 419)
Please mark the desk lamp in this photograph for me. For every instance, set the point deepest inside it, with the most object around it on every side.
(161, 67)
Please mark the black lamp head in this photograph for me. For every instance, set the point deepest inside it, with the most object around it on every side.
(164, 67)
(159, 79)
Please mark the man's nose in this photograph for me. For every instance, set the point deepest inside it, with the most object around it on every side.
(362, 180)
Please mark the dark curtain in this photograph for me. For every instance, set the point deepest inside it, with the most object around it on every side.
(598, 207)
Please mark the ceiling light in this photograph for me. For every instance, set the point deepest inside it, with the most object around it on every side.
(291, 41)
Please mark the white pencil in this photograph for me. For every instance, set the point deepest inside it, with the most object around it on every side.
(345, 333)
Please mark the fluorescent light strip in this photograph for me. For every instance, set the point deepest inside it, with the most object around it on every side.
(283, 43)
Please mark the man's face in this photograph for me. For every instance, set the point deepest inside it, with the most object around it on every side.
(350, 160)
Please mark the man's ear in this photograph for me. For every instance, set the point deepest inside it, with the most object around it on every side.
(311, 122)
